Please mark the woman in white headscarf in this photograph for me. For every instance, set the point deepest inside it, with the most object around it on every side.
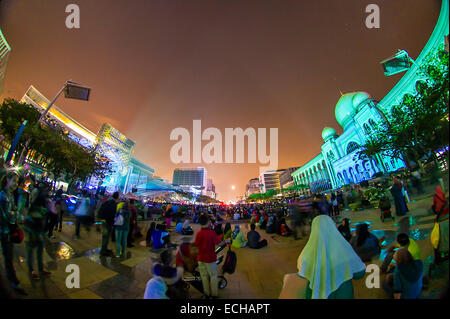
(156, 289)
(326, 266)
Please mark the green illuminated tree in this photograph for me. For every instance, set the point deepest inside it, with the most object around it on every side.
(419, 125)
(58, 154)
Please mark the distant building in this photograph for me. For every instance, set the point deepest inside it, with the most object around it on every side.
(210, 188)
(4, 55)
(252, 187)
(108, 142)
(285, 177)
(190, 179)
(270, 180)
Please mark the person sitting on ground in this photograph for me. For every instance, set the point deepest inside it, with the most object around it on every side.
(270, 224)
(406, 281)
(403, 241)
(187, 229)
(285, 230)
(160, 237)
(254, 237)
(344, 229)
(227, 231)
(326, 266)
(263, 221)
(366, 244)
(237, 216)
(179, 227)
(238, 238)
(171, 275)
(164, 268)
(156, 289)
(219, 231)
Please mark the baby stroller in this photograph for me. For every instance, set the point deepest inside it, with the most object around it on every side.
(385, 208)
(192, 275)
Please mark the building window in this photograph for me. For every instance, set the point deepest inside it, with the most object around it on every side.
(367, 129)
(351, 147)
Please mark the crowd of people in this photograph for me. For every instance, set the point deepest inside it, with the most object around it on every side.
(332, 251)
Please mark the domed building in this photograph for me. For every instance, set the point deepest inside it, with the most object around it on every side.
(357, 113)
(338, 164)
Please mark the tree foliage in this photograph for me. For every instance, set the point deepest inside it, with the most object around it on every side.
(58, 154)
(419, 124)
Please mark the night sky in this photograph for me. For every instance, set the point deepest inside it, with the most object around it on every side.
(157, 65)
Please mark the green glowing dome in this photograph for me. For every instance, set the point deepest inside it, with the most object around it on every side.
(347, 105)
(328, 132)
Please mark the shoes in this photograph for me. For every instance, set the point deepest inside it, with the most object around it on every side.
(59, 230)
(52, 237)
(45, 272)
(34, 275)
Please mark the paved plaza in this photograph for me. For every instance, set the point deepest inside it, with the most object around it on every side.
(259, 273)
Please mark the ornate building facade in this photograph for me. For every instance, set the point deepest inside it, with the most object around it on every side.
(357, 113)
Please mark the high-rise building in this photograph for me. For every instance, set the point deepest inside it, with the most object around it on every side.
(4, 55)
(190, 179)
(210, 188)
(269, 180)
(252, 187)
(286, 179)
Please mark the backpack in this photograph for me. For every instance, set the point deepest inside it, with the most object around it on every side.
(103, 208)
(230, 262)
(118, 221)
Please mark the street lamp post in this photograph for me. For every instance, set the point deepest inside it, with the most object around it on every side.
(72, 90)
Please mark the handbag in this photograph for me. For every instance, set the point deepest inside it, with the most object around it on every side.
(435, 235)
(15, 234)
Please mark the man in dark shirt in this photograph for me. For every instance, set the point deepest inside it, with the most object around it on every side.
(253, 238)
(107, 212)
(206, 241)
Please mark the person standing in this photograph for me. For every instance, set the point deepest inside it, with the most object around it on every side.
(52, 216)
(35, 229)
(335, 203)
(121, 227)
(107, 213)
(133, 224)
(399, 199)
(8, 185)
(82, 213)
(206, 240)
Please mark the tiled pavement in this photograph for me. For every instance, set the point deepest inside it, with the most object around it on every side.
(259, 273)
